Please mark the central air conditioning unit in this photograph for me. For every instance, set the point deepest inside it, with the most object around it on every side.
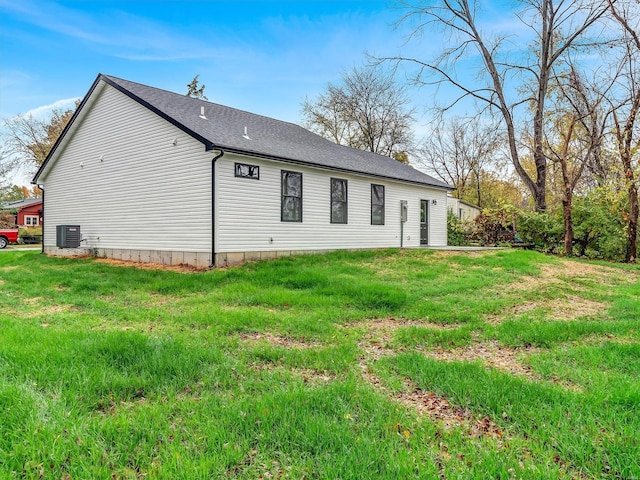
(68, 236)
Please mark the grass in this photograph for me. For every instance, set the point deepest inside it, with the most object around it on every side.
(381, 364)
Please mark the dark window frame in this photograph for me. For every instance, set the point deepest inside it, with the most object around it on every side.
(373, 204)
(283, 196)
(236, 172)
(344, 202)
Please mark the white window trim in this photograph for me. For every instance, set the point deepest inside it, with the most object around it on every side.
(35, 220)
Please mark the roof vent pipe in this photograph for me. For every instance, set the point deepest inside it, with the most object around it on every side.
(202, 113)
(246, 135)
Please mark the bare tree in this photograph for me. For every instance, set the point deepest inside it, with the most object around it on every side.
(511, 85)
(368, 111)
(458, 150)
(8, 165)
(28, 140)
(625, 111)
(575, 131)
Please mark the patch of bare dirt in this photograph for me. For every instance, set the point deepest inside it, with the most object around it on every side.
(386, 326)
(438, 408)
(466, 253)
(490, 353)
(308, 375)
(379, 334)
(278, 341)
(494, 355)
(182, 268)
(9, 268)
(374, 344)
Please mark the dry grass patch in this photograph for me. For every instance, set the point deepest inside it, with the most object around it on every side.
(151, 266)
(379, 334)
(567, 308)
(437, 407)
(564, 270)
(277, 341)
(48, 310)
(490, 353)
(572, 307)
(307, 375)
(466, 253)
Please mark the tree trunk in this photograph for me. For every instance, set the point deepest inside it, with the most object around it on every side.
(632, 225)
(626, 142)
(568, 224)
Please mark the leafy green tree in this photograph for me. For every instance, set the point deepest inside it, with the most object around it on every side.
(599, 226)
(14, 192)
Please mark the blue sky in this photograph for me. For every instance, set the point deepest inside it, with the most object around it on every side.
(261, 56)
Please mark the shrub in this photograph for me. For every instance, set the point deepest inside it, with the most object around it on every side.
(496, 226)
(599, 228)
(458, 233)
(543, 230)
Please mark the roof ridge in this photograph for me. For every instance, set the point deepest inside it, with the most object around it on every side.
(271, 138)
(112, 77)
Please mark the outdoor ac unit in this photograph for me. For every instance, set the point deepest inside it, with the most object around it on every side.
(68, 236)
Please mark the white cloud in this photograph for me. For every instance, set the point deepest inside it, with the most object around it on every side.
(44, 110)
(137, 38)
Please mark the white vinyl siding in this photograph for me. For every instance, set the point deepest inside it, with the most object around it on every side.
(248, 211)
(131, 180)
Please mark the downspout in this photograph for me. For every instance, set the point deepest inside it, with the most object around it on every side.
(42, 189)
(213, 207)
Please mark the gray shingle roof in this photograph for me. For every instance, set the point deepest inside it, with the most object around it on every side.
(20, 203)
(224, 127)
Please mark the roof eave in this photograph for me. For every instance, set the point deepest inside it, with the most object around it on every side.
(324, 167)
(64, 132)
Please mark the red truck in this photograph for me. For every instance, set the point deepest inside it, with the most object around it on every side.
(7, 237)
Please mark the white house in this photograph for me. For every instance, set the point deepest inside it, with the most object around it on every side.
(147, 175)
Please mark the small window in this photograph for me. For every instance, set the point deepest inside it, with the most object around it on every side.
(377, 204)
(32, 221)
(338, 200)
(291, 206)
(247, 171)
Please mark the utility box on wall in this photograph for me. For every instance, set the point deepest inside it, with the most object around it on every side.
(68, 236)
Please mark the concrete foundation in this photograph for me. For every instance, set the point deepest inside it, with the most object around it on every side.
(162, 257)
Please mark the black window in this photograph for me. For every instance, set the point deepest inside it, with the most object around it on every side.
(291, 207)
(338, 200)
(377, 204)
(247, 171)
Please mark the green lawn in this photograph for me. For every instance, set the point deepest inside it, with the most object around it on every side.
(385, 364)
